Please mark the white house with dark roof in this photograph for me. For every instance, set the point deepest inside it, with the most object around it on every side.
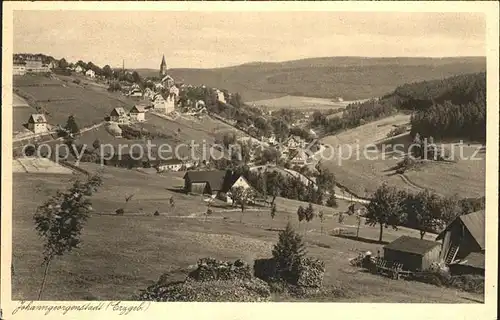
(38, 123)
(90, 73)
(118, 115)
(79, 69)
(138, 113)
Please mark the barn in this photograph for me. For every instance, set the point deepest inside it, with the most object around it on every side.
(215, 183)
(473, 263)
(462, 236)
(413, 253)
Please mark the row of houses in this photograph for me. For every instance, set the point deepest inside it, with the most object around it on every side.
(30, 64)
(462, 247)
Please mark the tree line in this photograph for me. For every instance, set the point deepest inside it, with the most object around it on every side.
(424, 211)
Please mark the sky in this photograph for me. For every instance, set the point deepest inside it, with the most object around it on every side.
(219, 39)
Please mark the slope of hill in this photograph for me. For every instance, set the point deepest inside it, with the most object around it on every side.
(351, 78)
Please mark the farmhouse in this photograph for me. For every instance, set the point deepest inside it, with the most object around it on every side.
(118, 115)
(19, 68)
(90, 73)
(463, 236)
(37, 123)
(415, 254)
(214, 183)
(137, 113)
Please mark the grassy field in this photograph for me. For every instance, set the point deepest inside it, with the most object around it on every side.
(122, 254)
(296, 102)
(61, 98)
(351, 78)
(363, 175)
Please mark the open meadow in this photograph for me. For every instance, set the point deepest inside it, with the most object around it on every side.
(120, 255)
(363, 174)
(301, 103)
(60, 97)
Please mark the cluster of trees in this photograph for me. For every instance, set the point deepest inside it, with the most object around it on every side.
(454, 107)
(354, 115)
(275, 184)
(449, 120)
(424, 211)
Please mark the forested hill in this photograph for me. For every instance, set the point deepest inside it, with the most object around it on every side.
(351, 78)
(450, 108)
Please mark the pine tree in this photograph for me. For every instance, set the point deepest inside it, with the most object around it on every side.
(288, 253)
(71, 125)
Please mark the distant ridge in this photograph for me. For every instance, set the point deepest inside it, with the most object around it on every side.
(351, 78)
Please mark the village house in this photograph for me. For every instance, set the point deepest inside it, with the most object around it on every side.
(168, 165)
(300, 158)
(148, 93)
(79, 69)
(159, 103)
(463, 243)
(220, 96)
(138, 113)
(90, 73)
(53, 65)
(413, 253)
(170, 103)
(118, 115)
(294, 142)
(159, 87)
(167, 81)
(37, 123)
(175, 91)
(135, 92)
(19, 68)
(217, 183)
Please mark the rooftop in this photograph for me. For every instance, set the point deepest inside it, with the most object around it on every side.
(411, 245)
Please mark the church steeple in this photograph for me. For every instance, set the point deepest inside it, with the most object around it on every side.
(163, 67)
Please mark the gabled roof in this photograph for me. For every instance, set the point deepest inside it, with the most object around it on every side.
(474, 259)
(219, 180)
(37, 118)
(119, 111)
(138, 109)
(474, 222)
(411, 245)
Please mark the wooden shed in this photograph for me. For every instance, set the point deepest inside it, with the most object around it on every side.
(462, 236)
(415, 254)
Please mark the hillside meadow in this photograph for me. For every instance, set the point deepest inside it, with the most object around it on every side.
(120, 255)
(364, 174)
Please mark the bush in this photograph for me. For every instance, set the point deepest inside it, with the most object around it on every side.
(156, 213)
(120, 212)
(77, 81)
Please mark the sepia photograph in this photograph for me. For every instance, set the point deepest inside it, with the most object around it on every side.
(248, 156)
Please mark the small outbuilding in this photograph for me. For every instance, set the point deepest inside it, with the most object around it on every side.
(413, 253)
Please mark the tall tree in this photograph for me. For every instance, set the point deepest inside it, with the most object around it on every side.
(385, 209)
(60, 220)
(71, 125)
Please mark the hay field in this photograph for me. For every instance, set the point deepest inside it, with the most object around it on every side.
(122, 254)
(298, 102)
(355, 169)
